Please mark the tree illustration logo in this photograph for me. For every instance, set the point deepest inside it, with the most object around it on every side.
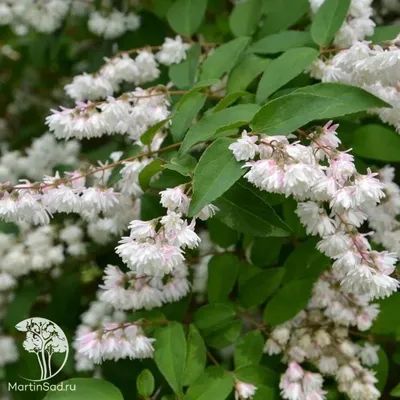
(44, 338)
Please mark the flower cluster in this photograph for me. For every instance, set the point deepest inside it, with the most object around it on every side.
(94, 318)
(43, 16)
(321, 335)
(104, 335)
(37, 160)
(373, 68)
(357, 25)
(131, 291)
(122, 68)
(333, 201)
(112, 24)
(131, 114)
(42, 248)
(48, 15)
(113, 342)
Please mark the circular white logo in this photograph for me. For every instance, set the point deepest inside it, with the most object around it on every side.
(44, 338)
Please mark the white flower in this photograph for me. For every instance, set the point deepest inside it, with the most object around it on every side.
(8, 350)
(369, 354)
(244, 390)
(173, 51)
(368, 189)
(141, 230)
(89, 87)
(175, 200)
(281, 334)
(271, 347)
(61, 199)
(328, 365)
(187, 237)
(175, 289)
(207, 212)
(335, 244)
(7, 282)
(244, 148)
(294, 372)
(98, 199)
(143, 346)
(345, 374)
(299, 178)
(147, 66)
(315, 219)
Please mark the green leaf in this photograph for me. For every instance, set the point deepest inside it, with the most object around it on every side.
(283, 69)
(282, 14)
(20, 306)
(159, 7)
(228, 100)
(396, 391)
(223, 59)
(223, 270)
(185, 16)
(148, 136)
(170, 354)
(287, 113)
(257, 375)
(249, 349)
(149, 171)
(195, 89)
(145, 383)
(215, 173)
(328, 20)
(183, 75)
(214, 383)
(226, 334)
(280, 42)
(381, 369)
(376, 142)
(245, 72)
(209, 125)
(211, 316)
(265, 251)
(244, 18)
(265, 393)
(382, 33)
(288, 301)
(292, 219)
(221, 234)
(184, 116)
(168, 179)
(349, 99)
(86, 388)
(245, 209)
(257, 289)
(305, 261)
(195, 356)
(184, 165)
(388, 321)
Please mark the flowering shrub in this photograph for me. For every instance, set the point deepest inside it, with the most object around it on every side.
(208, 210)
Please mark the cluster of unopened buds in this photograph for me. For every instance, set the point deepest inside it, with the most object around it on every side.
(321, 335)
(333, 201)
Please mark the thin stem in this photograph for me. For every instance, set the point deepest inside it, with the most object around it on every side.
(212, 358)
(95, 170)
